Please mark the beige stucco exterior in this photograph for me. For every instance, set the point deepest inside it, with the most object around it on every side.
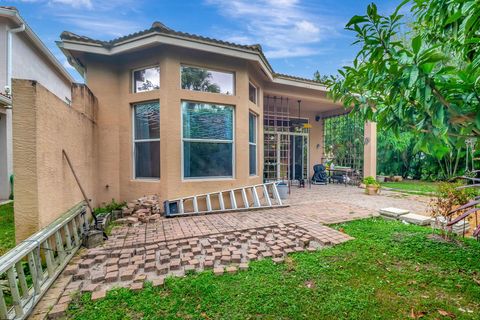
(370, 150)
(110, 79)
(43, 126)
(97, 129)
(111, 82)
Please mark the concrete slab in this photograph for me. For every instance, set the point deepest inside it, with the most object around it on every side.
(458, 228)
(416, 219)
(393, 213)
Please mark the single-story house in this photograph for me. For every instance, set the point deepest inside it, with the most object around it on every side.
(181, 114)
(171, 114)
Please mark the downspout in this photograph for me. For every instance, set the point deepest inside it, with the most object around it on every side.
(10, 33)
(8, 87)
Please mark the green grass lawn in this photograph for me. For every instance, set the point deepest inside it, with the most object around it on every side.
(7, 228)
(422, 187)
(390, 271)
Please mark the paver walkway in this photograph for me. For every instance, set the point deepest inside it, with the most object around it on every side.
(222, 242)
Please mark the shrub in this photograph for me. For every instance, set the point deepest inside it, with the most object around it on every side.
(448, 198)
(370, 181)
(109, 207)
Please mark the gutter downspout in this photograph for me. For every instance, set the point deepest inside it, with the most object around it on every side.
(9, 114)
(10, 33)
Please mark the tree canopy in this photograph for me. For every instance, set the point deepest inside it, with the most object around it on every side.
(423, 76)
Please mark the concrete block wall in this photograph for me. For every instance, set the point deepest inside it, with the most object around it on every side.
(43, 126)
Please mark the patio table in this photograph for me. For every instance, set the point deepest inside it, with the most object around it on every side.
(341, 171)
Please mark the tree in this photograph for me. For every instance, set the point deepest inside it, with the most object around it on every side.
(198, 79)
(320, 78)
(429, 84)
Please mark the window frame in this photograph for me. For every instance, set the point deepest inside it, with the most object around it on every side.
(134, 141)
(253, 144)
(234, 79)
(132, 77)
(256, 92)
(212, 178)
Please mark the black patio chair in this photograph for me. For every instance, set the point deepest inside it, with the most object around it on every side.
(319, 174)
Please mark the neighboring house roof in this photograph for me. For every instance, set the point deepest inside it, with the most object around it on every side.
(13, 14)
(74, 42)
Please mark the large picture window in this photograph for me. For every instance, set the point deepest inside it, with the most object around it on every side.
(146, 79)
(207, 140)
(146, 140)
(252, 143)
(199, 79)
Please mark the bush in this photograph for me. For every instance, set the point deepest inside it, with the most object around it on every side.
(370, 181)
(448, 197)
(101, 211)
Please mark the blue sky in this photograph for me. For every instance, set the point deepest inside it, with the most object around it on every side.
(298, 36)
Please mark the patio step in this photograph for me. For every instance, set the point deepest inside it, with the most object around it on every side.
(393, 213)
(416, 219)
(260, 196)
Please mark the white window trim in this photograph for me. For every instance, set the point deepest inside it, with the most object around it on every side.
(256, 93)
(134, 141)
(132, 78)
(187, 179)
(253, 144)
(234, 85)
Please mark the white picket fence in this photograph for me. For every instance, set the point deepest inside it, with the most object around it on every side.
(34, 264)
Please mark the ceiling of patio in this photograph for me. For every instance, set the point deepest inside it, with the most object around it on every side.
(312, 100)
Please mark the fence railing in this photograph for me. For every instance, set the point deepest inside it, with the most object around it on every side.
(28, 270)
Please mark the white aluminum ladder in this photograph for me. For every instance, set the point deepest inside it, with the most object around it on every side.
(260, 196)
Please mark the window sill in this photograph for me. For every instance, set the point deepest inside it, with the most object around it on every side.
(207, 179)
(145, 180)
(146, 91)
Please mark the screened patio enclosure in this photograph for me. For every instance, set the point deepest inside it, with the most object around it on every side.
(299, 135)
(343, 141)
(286, 141)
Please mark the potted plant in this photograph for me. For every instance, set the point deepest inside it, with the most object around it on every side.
(381, 177)
(371, 185)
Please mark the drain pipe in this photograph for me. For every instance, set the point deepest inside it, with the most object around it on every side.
(10, 33)
(8, 91)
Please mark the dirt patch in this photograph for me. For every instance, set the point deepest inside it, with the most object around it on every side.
(310, 284)
(439, 238)
(402, 236)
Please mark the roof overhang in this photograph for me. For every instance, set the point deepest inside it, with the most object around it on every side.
(71, 45)
(14, 16)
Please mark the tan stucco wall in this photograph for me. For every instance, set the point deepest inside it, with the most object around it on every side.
(110, 81)
(43, 125)
(370, 150)
(315, 141)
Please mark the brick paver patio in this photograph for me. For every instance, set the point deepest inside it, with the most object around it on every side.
(221, 242)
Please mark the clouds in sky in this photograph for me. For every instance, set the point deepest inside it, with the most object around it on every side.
(98, 19)
(285, 28)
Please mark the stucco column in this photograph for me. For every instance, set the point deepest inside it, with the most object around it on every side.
(370, 149)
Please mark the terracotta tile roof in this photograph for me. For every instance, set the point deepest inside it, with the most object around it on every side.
(158, 27)
(282, 75)
(9, 8)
